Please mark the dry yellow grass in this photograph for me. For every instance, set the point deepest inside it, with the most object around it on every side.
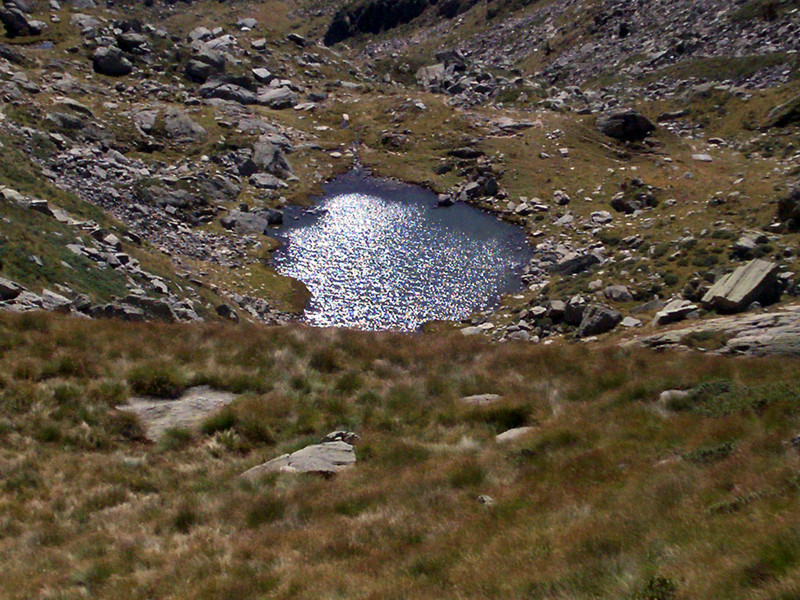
(610, 496)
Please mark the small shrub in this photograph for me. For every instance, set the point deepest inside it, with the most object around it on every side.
(658, 588)
(176, 438)
(184, 519)
(67, 365)
(349, 382)
(710, 454)
(157, 380)
(219, 421)
(125, 425)
(267, 509)
(47, 434)
(108, 392)
(324, 360)
(66, 395)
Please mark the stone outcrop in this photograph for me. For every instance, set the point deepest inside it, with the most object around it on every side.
(110, 60)
(327, 458)
(598, 319)
(625, 125)
(186, 412)
(754, 282)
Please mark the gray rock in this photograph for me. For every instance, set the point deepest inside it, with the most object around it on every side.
(512, 435)
(252, 222)
(630, 322)
(227, 91)
(470, 331)
(186, 412)
(18, 25)
(430, 77)
(153, 308)
(197, 71)
(200, 33)
(227, 312)
(110, 60)
(674, 311)
(618, 293)
(668, 396)
(266, 181)
(575, 262)
(84, 22)
(786, 114)
(180, 128)
(132, 42)
(480, 399)
(56, 302)
(145, 120)
(598, 319)
(269, 158)
(341, 436)
(789, 210)
(755, 281)
(263, 75)
(328, 458)
(278, 98)
(625, 125)
(573, 312)
(205, 54)
(9, 290)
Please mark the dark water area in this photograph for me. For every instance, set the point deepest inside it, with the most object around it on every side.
(377, 254)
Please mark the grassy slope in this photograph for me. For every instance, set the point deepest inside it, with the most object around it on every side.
(610, 496)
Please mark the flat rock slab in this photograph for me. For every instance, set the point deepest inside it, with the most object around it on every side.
(187, 412)
(742, 287)
(480, 399)
(764, 334)
(327, 458)
(512, 435)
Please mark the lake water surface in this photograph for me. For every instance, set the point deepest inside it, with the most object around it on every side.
(376, 254)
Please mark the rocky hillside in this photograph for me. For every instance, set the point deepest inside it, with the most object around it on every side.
(161, 438)
(648, 149)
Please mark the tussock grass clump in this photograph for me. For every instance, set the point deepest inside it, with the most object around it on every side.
(156, 379)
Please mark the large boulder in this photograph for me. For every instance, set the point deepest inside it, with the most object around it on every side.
(625, 125)
(227, 91)
(432, 76)
(575, 262)
(635, 195)
(180, 128)
(789, 210)
(9, 290)
(278, 98)
(674, 311)
(267, 157)
(598, 319)
(257, 222)
(327, 459)
(786, 114)
(18, 25)
(110, 60)
(757, 281)
(197, 71)
(205, 54)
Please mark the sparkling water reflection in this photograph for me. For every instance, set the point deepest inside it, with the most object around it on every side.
(380, 255)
